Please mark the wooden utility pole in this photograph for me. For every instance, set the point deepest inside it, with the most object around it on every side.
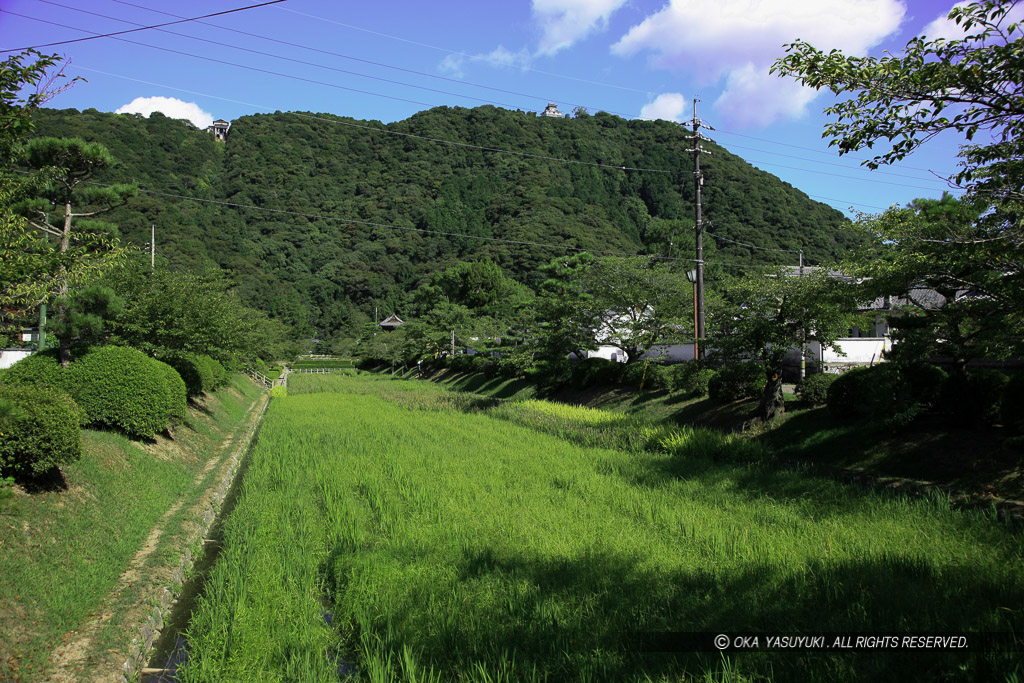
(698, 182)
(803, 341)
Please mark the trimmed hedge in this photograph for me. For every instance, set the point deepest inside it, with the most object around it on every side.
(38, 430)
(814, 388)
(39, 369)
(589, 372)
(121, 387)
(177, 393)
(894, 394)
(690, 378)
(211, 373)
(191, 372)
(737, 381)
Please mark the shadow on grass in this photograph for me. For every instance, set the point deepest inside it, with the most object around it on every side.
(588, 617)
(50, 481)
(929, 449)
(729, 417)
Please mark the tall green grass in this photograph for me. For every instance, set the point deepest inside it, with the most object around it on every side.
(441, 545)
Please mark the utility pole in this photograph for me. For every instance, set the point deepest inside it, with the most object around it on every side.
(152, 247)
(698, 182)
(41, 344)
(803, 342)
(453, 343)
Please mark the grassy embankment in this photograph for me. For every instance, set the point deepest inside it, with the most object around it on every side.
(410, 539)
(66, 544)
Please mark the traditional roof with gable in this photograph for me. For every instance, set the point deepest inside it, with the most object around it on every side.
(391, 321)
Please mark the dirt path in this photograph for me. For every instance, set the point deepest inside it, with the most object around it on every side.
(78, 659)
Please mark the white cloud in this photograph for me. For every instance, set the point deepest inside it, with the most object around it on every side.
(739, 39)
(500, 56)
(670, 106)
(168, 106)
(564, 22)
(753, 98)
(942, 27)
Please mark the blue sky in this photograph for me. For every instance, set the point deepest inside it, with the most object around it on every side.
(387, 60)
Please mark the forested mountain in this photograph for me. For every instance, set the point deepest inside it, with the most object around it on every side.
(352, 218)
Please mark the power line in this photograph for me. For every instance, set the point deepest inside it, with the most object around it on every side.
(240, 66)
(833, 199)
(840, 175)
(810, 149)
(134, 30)
(367, 61)
(832, 163)
(753, 246)
(283, 58)
(375, 129)
(463, 54)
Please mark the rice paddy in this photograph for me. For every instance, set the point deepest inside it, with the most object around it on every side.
(390, 530)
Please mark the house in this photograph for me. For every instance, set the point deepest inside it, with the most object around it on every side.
(391, 322)
(219, 128)
(552, 111)
(28, 339)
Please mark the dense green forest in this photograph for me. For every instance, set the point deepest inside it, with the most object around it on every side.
(353, 219)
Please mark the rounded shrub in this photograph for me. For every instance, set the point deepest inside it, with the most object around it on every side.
(177, 394)
(849, 392)
(884, 392)
(650, 376)
(212, 373)
(924, 381)
(515, 364)
(737, 381)
(551, 375)
(700, 381)
(813, 389)
(38, 429)
(589, 372)
(123, 388)
(691, 378)
(39, 369)
(190, 371)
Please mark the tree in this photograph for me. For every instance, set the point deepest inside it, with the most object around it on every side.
(955, 297)
(633, 303)
(76, 161)
(167, 312)
(765, 315)
(971, 85)
(26, 83)
(87, 316)
(968, 253)
(70, 162)
(28, 264)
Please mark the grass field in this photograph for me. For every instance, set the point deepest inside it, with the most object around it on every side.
(400, 532)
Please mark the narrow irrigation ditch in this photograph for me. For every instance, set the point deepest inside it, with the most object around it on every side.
(160, 647)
